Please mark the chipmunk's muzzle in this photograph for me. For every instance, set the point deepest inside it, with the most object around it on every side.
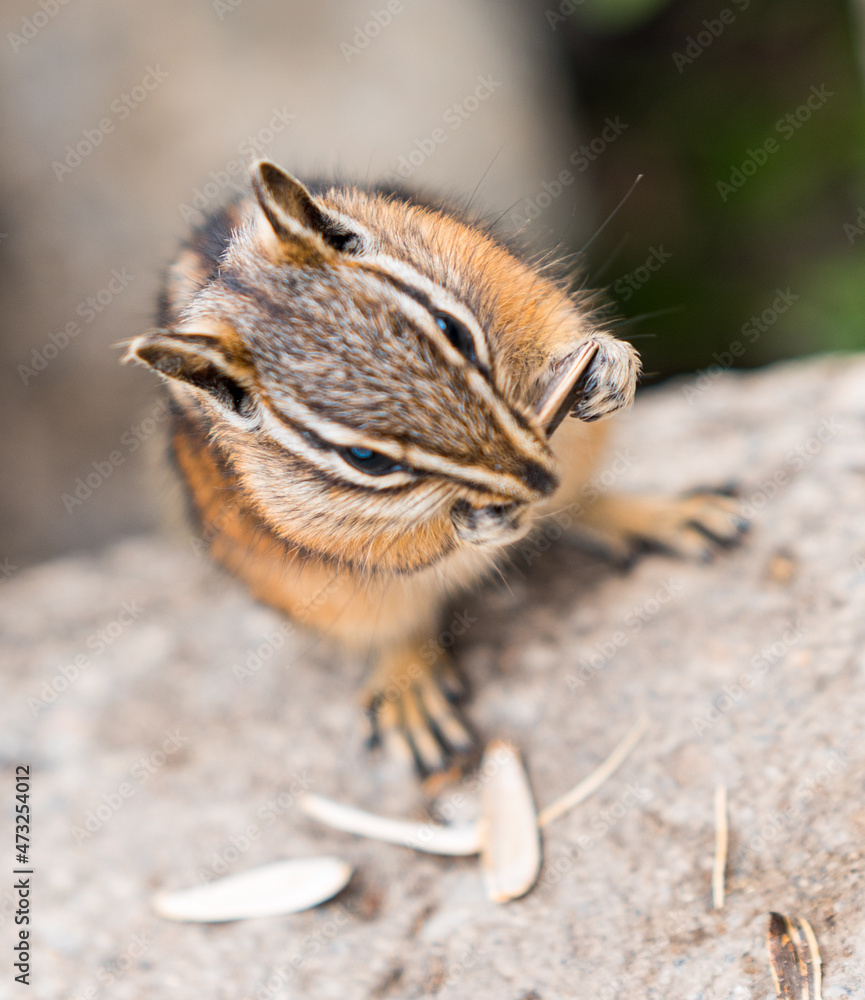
(493, 524)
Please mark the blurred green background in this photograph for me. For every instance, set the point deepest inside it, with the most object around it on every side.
(698, 89)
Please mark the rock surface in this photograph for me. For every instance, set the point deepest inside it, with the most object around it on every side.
(171, 723)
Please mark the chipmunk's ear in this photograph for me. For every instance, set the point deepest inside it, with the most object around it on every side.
(202, 361)
(294, 214)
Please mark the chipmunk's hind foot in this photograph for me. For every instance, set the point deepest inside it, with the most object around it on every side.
(694, 526)
(415, 716)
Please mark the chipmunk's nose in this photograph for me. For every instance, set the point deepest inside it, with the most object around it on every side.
(539, 479)
(505, 513)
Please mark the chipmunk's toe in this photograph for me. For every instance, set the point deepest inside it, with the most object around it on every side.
(421, 722)
(694, 526)
(697, 525)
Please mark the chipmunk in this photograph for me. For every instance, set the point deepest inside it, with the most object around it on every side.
(364, 391)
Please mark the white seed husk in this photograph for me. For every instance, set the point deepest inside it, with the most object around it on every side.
(511, 849)
(434, 838)
(268, 891)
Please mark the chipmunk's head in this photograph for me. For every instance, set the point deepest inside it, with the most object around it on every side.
(381, 376)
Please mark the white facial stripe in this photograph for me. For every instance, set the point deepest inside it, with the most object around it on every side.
(418, 314)
(340, 436)
(499, 483)
(439, 298)
(418, 503)
(328, 461)
(413, 457)
(265, 422)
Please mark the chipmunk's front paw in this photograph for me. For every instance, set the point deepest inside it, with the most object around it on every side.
(413, 714)
(610, 380)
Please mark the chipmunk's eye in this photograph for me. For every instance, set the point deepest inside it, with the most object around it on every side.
(457, 334)
(373, 463)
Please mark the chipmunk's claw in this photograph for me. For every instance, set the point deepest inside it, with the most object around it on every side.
(421, 722)
(610, 382)
(706, 521)
(695, 526)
